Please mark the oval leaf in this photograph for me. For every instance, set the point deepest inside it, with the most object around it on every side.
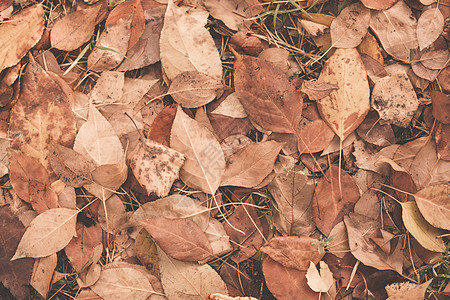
(314, 137)
(429, 27)
(434, 204)
(350, 27)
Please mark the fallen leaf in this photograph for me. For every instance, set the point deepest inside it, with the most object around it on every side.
(20, 34)
(369, 46)
(182, 239)
(429, 27)
(293, 252)
(217, 296)
(155, 166)
(186, 45)
(193, 89)
(114, 218)
(14, 275)
(39, 239)
(319, 281)
(293, 192)
(41, 114)
(73, 30)
(434, 59)
(314, 137)
(339, 244)
(335, 195)
(80, 249)
(186, 280)
(372, 131)
(123, 283)
(420, 229)
(108, 88)
(433, 203)
(266, 93)
(395, 99)
(31, 182)
(441, 106)
(378, 5)
(42, 274)
(204, 161)
(146, 252)
(347, 106)
(442, 137)
(251, 164)
(317, 89)
(231, 107)
(419, 69)
(407, 290)
(396, 29)
(232, 12)
(350, 27)
(162, 125)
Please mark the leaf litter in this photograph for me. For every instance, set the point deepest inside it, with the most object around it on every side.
(236, 150)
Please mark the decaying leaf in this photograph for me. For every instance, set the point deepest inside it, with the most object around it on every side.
(231, 107)
(42, 274)
(350, 27)
(407, 290)
(429, 27)
(345, 108)
(377, 4)
(233, 13)
(317, 89)
(80, 249)
(108, 88)
(19, 34)
(155, 166)
(182, 239)
(204, 161)
(314, 137)
(433, 203)
(114, 218)
(48, 233)
(319, 281)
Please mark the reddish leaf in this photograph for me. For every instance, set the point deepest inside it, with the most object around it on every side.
(161, 126)
(182, 239)
(334, 197)
(267, 95)
(378, 5)
(441, 106)
(314, 137)
(79, 250)
(442, 136)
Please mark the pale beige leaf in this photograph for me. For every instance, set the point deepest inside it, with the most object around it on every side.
(350, 27)
(48, 233)
(420, 229)
(434, 204)
(429, 27)
(251, 164)
(407, 290)
(97, 141)
(345, 108)
(117, 216)
(205, 162)
(123, 283)
(395, 99)
(4, 160)
(108, 88)
(218, 296)
(186, 45)
(156, 166)
(231, 107)
(396, 29)
(186, 280)
(19, 34)
(232, 12)
(319, 281)
(193, 89)
(42, 274)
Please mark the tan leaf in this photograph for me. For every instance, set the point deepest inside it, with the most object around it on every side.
(314, 137)
(108, 88)
(205, 163)
(347, 106)
(193, 89)
(187, 280)
(350, 27)
(31, 182)
(75, 29)
(395, 99)
(434, 59)
(232, 12)
(335, 195)
(41, 114)
(379, 5)
(251, 164)
(107, 179)
(420, 229)
(80, 249)
(434, 205)
(123, 283)
(48, 233)
(20, 34)
(319, 282)
(182, 239)
(146, 252)
(155, 166)
(266, 93)
(185, 43)
(293, 252)
(407, 290)
(42, 274)
(396, 29)
(317, 90)
(231, 107)
(115, 217)
(217, 296)
(429, 27)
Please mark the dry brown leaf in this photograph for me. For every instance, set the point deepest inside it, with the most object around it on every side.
(193, 89)
(434, 205)
(108, 88)
(217, 296)
(314, 137)
(48, 233)
(181, 239)
(442, 137)
(266, 93)
(429, 27)
(162, 125)
(115, 217)
(419, 69)
(396, 29)
(372, 131)
(42, 274)
(369, 46)
(293, 252)
(185, 43)
(395, 99)
(186, 280)
(347, 106)
(293, 192)
(350, 27)
(434, 59)
(251, 164)
(20, 34)
(72, 31)
(231, 107)
(31, 182)
(317, 89)
(123, 283)
(335, 195)
(232, 12)
(155, 166)
(205, 163)
(378, 5)
(41, 114)
(80, 249)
